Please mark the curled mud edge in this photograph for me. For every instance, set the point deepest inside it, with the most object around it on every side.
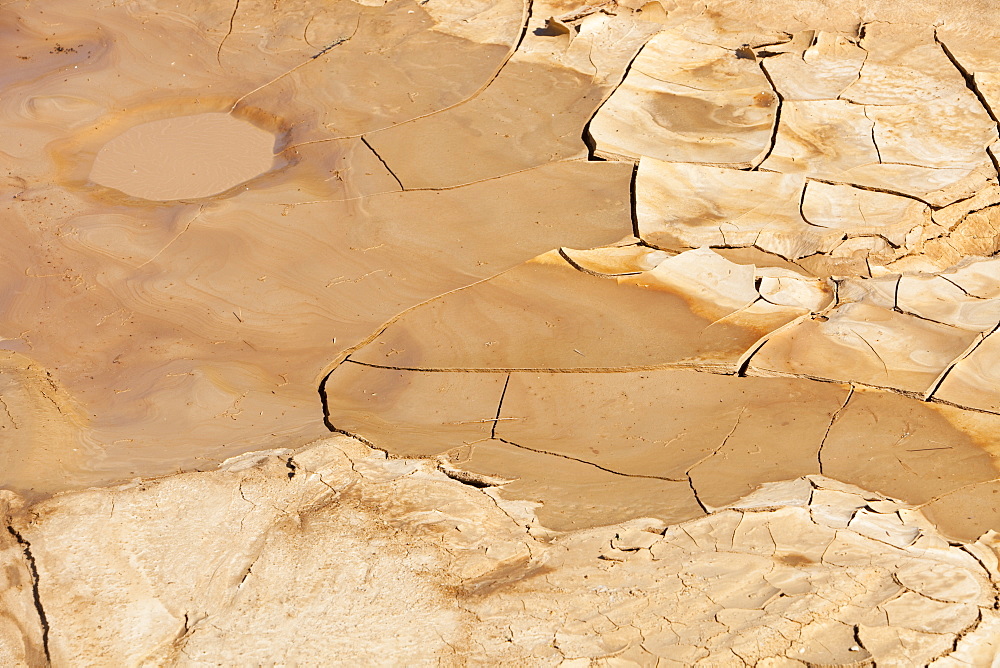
(808, 570)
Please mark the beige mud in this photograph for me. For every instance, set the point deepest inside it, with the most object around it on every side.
(599, 262)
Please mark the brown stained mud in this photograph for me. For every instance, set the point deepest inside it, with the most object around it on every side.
(212, 211)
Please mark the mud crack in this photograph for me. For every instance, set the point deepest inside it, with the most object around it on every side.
(829, 427)
(384, 163)
(970, 83)
(232, 17)
(33, 570)
(588, 463)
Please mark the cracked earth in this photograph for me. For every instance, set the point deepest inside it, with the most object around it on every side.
(484, 331)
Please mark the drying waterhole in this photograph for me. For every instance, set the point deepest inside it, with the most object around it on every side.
(471, 332)
(184, 157)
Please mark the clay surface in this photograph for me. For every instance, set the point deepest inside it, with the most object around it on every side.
(650, 333)
(316, 554)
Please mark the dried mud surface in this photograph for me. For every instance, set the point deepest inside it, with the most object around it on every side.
(609, 271)
(337, 555)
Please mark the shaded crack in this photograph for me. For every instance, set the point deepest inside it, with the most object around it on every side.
(962, 488)
(345, 354)
(723, 369)
(733, 246)
(10, 416)
(864, 109)
(528, 6)
(970, 211)
(321, 52)
(906, 589)
(325, 402)
(777, 118)
(496, 419)
(239, 585)
(588, 139)
(861, 67)
(177, 236)
(974, 409)
(945, 237)
(874, 189)
(325, 49)
(467, 477)
(33, 571)
(872, 348)
(993, 583)
(287, 206)
(697, 499)
(829, 427)
(743, 363)
(384, 163)
(579, 267)
(191, 625)
(802, 207)
(362, 439)
(959, 637)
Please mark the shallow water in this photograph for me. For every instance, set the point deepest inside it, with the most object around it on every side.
(184, 157)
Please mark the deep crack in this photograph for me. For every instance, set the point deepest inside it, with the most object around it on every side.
(588, 139)
(33, 570)
(496, 419)
(232, 17)
(384, 163)
(777, 118)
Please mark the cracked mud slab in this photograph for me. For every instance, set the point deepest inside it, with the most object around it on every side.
(801, 572)
(702, 298)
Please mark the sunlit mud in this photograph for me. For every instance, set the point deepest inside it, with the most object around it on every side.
(621, 261)
(420, 330)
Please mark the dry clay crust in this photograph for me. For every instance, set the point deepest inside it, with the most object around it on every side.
(337, 555)
(605, 263)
